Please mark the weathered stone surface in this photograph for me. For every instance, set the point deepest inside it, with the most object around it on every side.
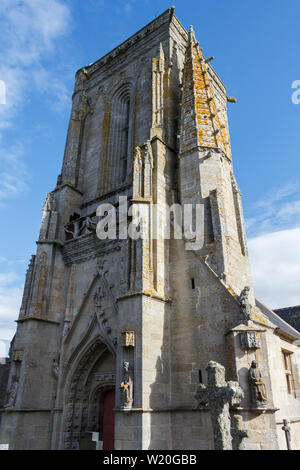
(238, 433)
(218, 395)
(148, 122)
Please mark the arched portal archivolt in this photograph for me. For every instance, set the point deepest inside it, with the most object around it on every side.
(93, 374)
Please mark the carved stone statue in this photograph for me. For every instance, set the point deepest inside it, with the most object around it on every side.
(245, 307)
(126, 386)
(257, 386)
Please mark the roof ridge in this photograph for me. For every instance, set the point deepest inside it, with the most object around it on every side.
(279, 318)
(285, 308)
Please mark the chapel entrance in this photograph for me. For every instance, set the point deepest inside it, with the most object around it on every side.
(108, 421)
(89, 413)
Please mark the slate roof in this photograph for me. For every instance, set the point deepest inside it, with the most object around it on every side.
(278, 321)
(291, 315)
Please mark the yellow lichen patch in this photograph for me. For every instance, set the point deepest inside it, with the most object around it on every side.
(256, 315)
(203, 123)
(211, 130)
(231, 291)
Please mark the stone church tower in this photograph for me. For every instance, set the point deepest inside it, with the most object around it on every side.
(114, 335)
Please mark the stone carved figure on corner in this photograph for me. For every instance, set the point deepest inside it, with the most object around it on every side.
(12, 394)
(50, 203)
(126, 386)
(257, 385)
(245, 306)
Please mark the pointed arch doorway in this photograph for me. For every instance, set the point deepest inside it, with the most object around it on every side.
(89, 411)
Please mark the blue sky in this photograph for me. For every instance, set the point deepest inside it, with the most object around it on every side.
(255, 44)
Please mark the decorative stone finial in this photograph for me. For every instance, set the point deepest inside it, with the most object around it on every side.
(192, 37)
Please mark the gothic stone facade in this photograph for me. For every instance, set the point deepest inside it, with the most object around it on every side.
(143, 317)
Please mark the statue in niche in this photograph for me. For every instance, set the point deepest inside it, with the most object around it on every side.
(126, 385)
(257, 385)
(245, 307)
(55, 367)
(99, 294)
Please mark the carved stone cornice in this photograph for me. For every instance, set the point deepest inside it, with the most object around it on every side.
(200, 148)
(88, 247)
(69, 185)
(107, 196)
(50, 242)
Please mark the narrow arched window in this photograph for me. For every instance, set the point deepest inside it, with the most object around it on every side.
(120, 137)
(124, 141)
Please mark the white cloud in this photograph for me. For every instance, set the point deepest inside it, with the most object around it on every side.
(30, 30)
(14, 175)
(10, 262)
(10, 300)
(278, 210)
(55, 89)
(275, 262)
(127, 8)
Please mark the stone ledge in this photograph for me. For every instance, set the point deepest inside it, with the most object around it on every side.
(25, 410)
(21, 320)
(158, 410)
(105, 196)
(256, 409)
(198, 148)
(59, 188)
(50, 242)
(136, 294)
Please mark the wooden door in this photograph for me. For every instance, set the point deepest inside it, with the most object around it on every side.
(108, 422)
